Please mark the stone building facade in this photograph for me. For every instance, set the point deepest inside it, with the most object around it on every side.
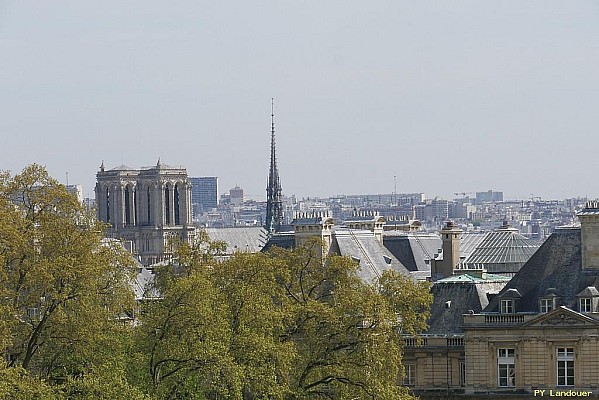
(147, 208)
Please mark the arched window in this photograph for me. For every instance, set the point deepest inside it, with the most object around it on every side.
(107, 205)
(127, 206)
(177, 205)
(149, 215)
(135, 221)
(167, 206)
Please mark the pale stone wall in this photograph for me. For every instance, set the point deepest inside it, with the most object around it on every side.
(476, 350)
(534, 362)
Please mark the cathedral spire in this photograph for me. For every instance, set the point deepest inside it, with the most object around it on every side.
(274, 203)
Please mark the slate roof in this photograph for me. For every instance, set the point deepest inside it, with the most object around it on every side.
(558, 265)
(143, 285)
(361, 245)
(373, 257)
(469, 241)
(412, 249)
(500, 251)
(457, 295)
(285, 240)
(249, 239)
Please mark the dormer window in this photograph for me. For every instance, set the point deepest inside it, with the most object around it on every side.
(546, 305)
(549, 301)
(508, 300)
(588, 299)
(585, 304)
(507, 306)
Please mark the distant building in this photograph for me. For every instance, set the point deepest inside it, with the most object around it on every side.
(488, 197)
(236, 196)
(77, 190)
(145, 207)
(435, 210)
(204, 194)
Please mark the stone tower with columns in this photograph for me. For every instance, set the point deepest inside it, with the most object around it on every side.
(147, 207)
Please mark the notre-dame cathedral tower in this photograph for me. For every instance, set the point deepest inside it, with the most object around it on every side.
(146, 207)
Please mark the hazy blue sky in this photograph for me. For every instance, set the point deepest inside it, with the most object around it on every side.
(449, 96)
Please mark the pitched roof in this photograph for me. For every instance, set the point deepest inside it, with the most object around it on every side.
(364, 247)
(413, 249)
(247, 239)
(143, 285)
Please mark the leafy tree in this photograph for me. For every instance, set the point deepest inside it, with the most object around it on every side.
(183, 338)
(63, 286)
(347, 332)
(17, 384)
(289, 324)
(256, 320)
(106, 382)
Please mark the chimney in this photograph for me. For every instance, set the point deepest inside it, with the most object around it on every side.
(450, 236)
(589, 235)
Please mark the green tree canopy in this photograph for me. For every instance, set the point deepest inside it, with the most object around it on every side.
(288, 324)
(63, 286)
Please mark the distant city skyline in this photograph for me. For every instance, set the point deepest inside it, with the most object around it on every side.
(448, 97)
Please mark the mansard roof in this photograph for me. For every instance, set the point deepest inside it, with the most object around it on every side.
(457, 295)
(557, 264)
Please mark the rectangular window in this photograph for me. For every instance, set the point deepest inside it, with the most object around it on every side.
(462, 373)
(565, 366)
(586, 305)
(507, 307)
(506, 367)
(546, 305)
(409, 378)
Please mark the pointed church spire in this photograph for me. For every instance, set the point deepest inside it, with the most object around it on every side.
(274, 203)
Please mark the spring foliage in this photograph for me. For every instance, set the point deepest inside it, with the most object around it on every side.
(287, 324)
